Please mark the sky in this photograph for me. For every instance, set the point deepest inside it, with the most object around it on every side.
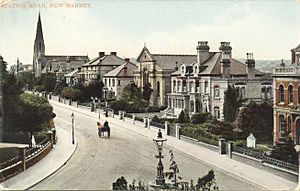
(267, 28)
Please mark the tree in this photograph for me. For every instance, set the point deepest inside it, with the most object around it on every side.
(231, 104)
(258, 120)
(147, 91)
(47, 82)
(201, 118)
(27, 79)
(34, 112)
(132, 93)
(71, 93)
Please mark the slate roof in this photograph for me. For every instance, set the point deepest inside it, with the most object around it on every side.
(65, 57)
(119, 71)
(213, 66)
(168, 61)
(297, 48)
(105, 60)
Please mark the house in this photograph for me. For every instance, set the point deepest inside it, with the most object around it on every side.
(155, 70)
(117, 79)
(102, 64)
(200, 86)
(286, 80)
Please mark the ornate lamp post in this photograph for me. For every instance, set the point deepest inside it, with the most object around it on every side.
(72, 116)
(159, 141)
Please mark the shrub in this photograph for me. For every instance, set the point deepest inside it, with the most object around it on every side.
(201, 118)
(156, 119)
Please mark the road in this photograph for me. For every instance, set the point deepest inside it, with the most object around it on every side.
(98, 162)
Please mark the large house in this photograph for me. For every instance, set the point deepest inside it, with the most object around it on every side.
(116, 80)
(287, 99)
(156, 70)
(199, 86)
(102, 64)
(43, 63)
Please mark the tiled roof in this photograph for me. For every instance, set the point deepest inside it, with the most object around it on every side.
(119, 71)
(168, 61)
(64, 57)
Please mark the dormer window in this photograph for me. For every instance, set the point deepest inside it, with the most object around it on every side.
(182, 69)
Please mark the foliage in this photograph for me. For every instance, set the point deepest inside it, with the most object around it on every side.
(258, 120)
(128, 107)
(120, 184)
(224, 130)
(132, 93)
(146, 94)
(60, 85)
(285, 151)
(155, 119)
(231, 104)
(207, 182)
(172, 175)
(46, 82)
(201, 118)
(71, 93)
(93, 89)
(181, 117)
(27, 79)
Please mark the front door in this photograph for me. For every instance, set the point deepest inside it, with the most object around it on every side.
(298, 132)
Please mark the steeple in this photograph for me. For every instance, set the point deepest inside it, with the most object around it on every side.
(39, 30)
(39, 49)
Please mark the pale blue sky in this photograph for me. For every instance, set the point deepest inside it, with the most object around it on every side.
(267, 28)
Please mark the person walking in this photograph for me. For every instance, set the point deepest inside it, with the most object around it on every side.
(99, 128)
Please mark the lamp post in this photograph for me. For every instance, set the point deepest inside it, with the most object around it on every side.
(159, 141)
(93, 103)
(72, 116)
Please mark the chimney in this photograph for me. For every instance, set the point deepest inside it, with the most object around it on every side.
(101, 54)
(127, 59)
(225, 48)
(202, 51)
(79, 69)
(113, 53)
(250, 65)
(293, 56)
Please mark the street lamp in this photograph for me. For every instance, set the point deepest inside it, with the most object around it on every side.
(93, 103)
(72, 116)
(159, 141)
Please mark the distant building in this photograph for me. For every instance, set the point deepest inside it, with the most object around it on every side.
(156, 69)
(20, 67)
(43, 63)
(286, 80)
(102, 64)
(116, 80)
(200, 86)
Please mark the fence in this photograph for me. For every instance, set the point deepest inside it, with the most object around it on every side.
(266, 159)
(156, 124)
(17, 164)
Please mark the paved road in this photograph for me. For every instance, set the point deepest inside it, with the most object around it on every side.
(98, 162)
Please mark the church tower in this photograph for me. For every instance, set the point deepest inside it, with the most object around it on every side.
(39, 49)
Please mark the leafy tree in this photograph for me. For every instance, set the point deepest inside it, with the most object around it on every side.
(132, 93)
(231, 104)
(120, 184)
(27, 79)
(47, 82)
(71, 93)
(155, 119)
(258, 120)
(224, 129)
(34, 112)
(207, 182)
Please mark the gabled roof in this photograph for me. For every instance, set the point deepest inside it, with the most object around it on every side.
(119, 71)
(111, 60)
(145, 49)
(66, 57)
(297, 48)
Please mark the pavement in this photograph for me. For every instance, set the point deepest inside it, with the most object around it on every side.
(64, 150)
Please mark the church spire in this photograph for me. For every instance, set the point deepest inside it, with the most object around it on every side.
(39, 30)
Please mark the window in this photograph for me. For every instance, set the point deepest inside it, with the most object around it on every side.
(216, 92)
(281, 123)
(192, 87)
(184, 85)
(217, 112)
(291, 94)
(281, 93)
(206, 87)
(179, 86)
(119, 82)
(174, 86)
(263, 92)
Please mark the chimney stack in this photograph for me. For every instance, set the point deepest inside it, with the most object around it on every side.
(225, 49)
(113, 53)
(202, 51)
(250, 65)
(127, 59)
(101, 54)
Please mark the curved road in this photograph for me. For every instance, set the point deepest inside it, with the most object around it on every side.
(98, 162)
